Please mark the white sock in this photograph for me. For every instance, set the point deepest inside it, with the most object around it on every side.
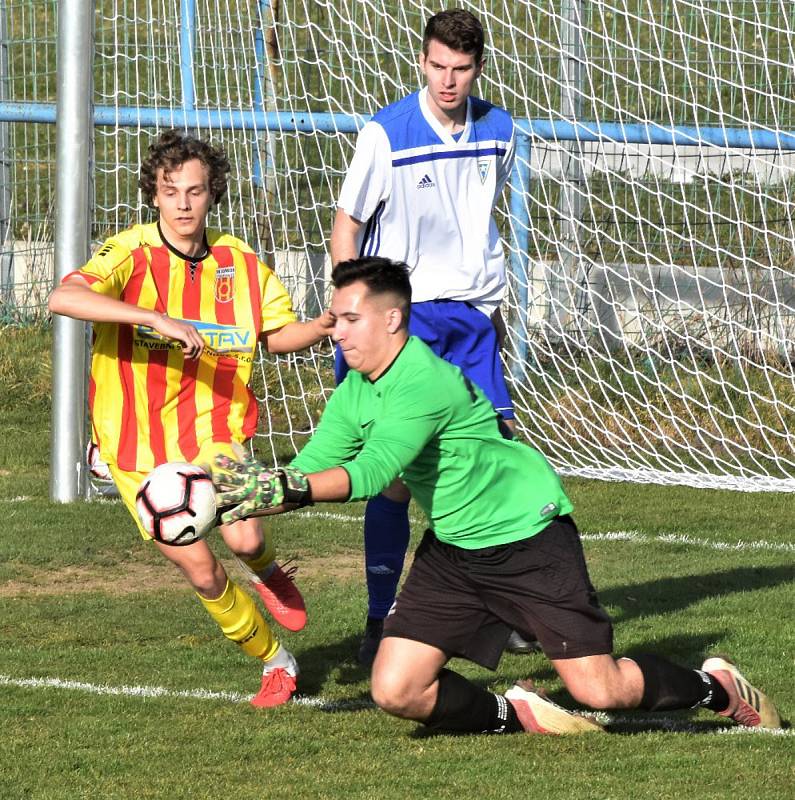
(284, 659)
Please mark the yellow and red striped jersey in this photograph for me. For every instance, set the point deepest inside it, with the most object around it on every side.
(149, 404)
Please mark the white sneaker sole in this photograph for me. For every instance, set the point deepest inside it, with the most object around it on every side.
(539, 715)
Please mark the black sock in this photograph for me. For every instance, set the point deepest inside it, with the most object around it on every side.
(717, 699)
(462, 707)
(668, 686)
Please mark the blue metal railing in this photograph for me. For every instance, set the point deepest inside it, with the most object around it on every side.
(188, 116)
(310, 121)
(527, 129)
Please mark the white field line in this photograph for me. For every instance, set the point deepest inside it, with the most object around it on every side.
(693, 541)
(660, 722)
(160, 691)
(613, 536)
(617, 536)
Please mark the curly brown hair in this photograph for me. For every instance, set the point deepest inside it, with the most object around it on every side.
(457, 29)
(171, 150)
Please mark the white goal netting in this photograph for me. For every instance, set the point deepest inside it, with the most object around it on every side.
(651, 299)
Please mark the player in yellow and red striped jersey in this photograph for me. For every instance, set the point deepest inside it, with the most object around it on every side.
(155, 405)
(178, 310)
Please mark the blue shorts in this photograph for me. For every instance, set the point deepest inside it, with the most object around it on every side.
(462, 335)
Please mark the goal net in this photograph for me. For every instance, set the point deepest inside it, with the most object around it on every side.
(647, 225)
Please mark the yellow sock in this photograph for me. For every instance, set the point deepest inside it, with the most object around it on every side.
(266, 558)
(241, 622)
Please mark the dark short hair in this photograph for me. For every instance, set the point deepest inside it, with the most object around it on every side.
(380, 276)
(171, 150)
(457, 29)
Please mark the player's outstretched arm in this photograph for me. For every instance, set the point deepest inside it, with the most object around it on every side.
(298, 335)
(73, 298)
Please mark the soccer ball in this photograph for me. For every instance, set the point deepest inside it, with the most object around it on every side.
(97, 468)
(176, 503)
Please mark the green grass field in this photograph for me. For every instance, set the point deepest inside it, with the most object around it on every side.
(89, 613)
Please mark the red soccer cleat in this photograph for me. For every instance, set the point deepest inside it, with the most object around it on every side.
(277, 688)
(282, 598)
(278, 682)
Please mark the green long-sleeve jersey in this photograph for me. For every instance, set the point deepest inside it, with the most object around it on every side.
(423, 421)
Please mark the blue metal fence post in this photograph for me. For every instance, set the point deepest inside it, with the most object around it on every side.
(6, 180)
(259, 94)
(187, 40)
(567, 298)
(520, 246)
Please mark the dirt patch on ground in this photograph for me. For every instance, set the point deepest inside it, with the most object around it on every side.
(136, 576)
(133, 577)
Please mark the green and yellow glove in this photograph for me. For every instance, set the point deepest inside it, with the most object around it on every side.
(250, 489)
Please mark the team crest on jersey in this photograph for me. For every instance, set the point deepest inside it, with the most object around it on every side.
(483, 169)
(224, 284)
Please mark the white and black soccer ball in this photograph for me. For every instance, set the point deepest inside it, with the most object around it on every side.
(176, 503)
(97, 468)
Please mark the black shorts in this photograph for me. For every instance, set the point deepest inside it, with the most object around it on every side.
(467, 602)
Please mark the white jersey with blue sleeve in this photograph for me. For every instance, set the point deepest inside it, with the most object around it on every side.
(426, 197)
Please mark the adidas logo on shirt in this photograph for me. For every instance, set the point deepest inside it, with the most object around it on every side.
(425, 182)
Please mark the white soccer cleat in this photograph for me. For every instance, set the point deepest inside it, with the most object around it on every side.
(747, 705)
(538, 714)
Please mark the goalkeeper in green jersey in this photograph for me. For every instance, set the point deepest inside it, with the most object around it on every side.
(501, 553)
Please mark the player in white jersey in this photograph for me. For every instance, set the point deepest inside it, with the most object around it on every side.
(421, 189)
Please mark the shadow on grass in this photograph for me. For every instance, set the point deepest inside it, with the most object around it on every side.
(635, 723)
(665, 595)
(627, 725)
(335, 661)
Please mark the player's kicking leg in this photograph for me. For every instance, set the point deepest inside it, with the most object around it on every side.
(239, 619)
(251, 542)
(232, 608)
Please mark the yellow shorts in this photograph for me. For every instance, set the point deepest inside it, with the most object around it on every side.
(128, 483)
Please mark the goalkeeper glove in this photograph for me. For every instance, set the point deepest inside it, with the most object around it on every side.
(250, 489)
